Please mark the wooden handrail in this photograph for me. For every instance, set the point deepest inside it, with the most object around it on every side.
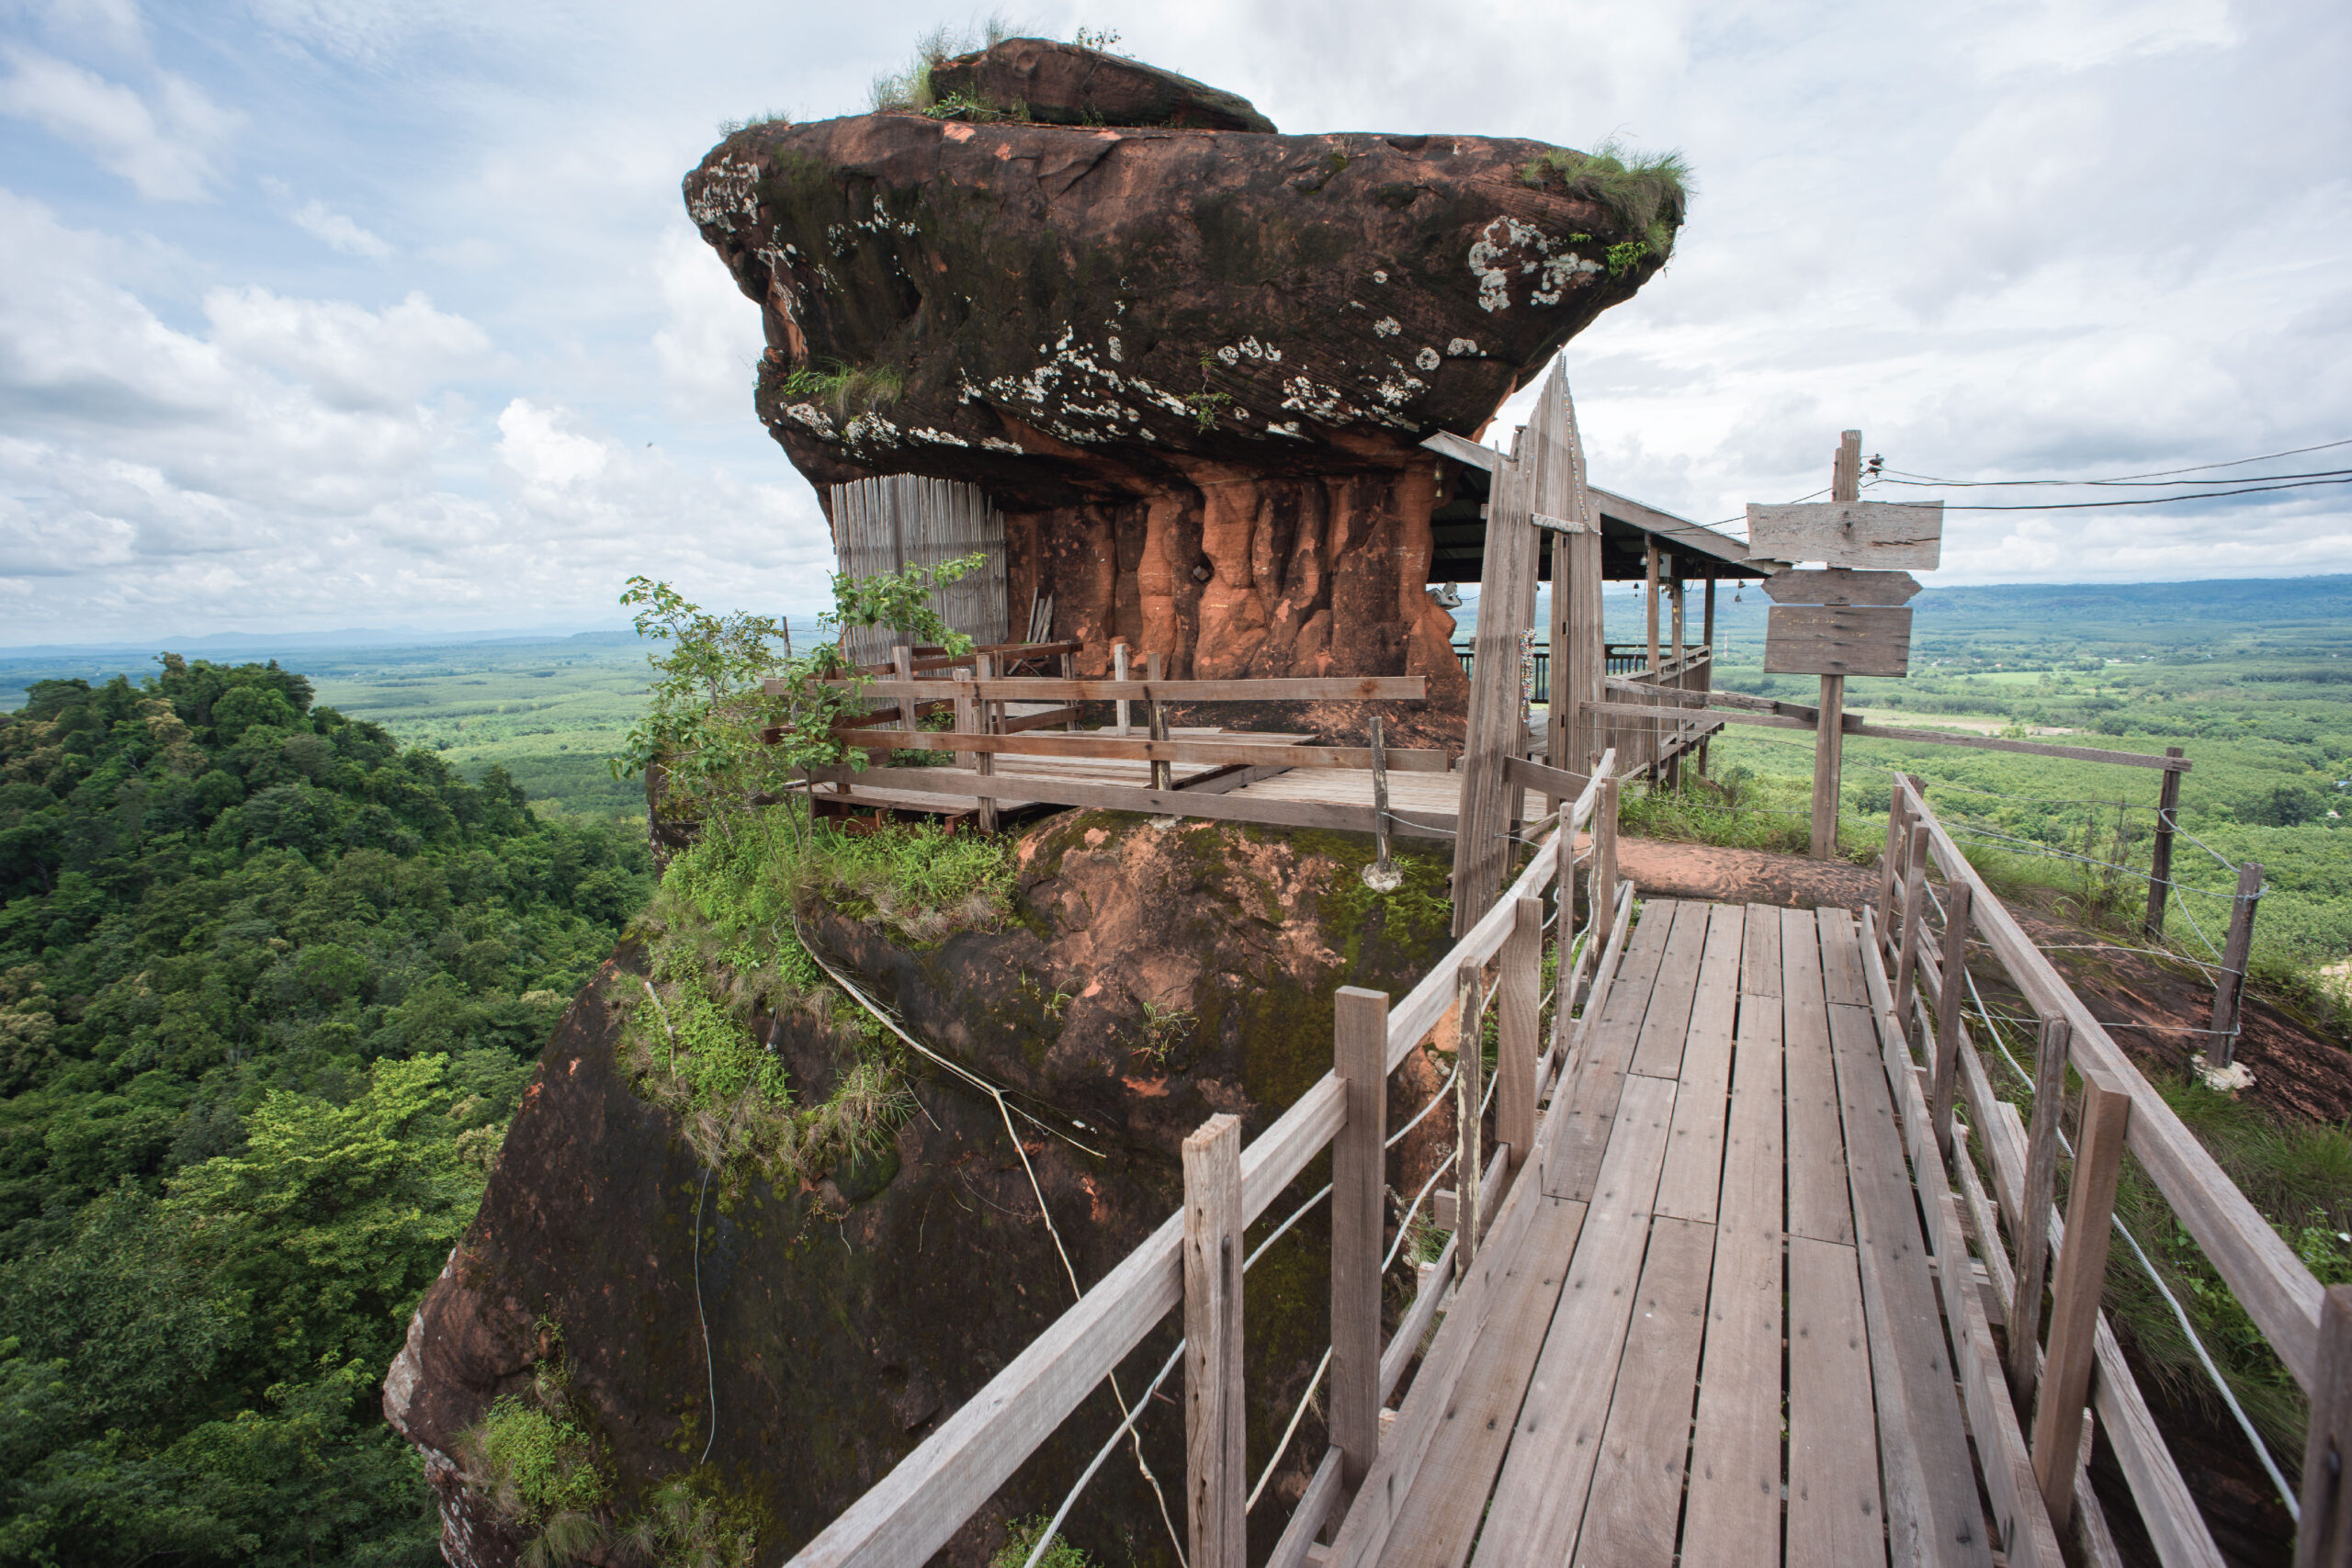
(1237, 748)
(1054, 689)
(911, 1512)
(2270, 1282)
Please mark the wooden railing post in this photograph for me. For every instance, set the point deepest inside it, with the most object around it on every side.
(2323, 1538)
(1915, 910)
(1359, 1167)
(1829, 729)
(1521, 992)
(1604, 861)
(2160, 858)
(1381, 875)
(2033, 1211)
(984, 668)
(2230, 987)
(1958, 899)
(1469, 1098)
(1215, 1467)
(1069, 672)
(967, 712)
(1163, 774)
(903, 665)
(1890, 863)
(1119, 672)
(2074, 1308)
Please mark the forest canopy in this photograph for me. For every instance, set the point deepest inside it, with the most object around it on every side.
(270, 988)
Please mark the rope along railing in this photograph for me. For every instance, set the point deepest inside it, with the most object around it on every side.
(1197, 1260)
(2310, 1330)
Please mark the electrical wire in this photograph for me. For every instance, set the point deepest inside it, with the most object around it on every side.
(2142, 501)
(2125, 479)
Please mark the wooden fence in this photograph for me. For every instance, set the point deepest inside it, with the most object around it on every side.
(2048, 1387)
(1194, 1259)
(900, 520)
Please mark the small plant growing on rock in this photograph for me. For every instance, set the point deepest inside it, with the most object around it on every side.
(537, 1463)
(1020, 1542)
(1645, 191)
(847, 388)
(908, 87)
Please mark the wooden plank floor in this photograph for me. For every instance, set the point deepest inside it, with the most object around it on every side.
(1723, 1347)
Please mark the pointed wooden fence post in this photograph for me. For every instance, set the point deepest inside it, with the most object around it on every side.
(1828, 731)
(1890, 865)
(2074, 1307)
(1359, 1166)
(2235, 949)
(2160, 858)
(1604, 862)
(2323, 1538)
(984, 668)
(1915, 910)
(1216, 1476)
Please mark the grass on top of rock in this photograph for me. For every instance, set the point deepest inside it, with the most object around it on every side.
(723, 948)
(1647, 192)
(908, 87)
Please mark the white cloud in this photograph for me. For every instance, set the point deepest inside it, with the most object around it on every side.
(710, 340)
(338, 231)
(349, 355)
(536, 444)
(169, 149)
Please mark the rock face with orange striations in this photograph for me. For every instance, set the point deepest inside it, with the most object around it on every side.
(1193, 366)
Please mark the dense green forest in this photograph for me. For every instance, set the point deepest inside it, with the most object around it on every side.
(270, 987)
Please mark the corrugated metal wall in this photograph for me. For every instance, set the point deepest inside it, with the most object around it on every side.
(901, 519)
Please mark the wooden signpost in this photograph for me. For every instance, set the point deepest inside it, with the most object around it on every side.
(1852, 619)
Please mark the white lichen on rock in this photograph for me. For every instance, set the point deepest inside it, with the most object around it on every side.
(1462, 348)
(1507, 243)
(1426, 359)
(1386, 327)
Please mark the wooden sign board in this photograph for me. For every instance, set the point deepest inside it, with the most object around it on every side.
(1840, 586)
(1885, 534)
(1559, 525)
(1837, 640)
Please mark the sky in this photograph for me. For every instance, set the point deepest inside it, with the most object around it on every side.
(331, 313)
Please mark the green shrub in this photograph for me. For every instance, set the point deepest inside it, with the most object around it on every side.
(1022, 1539)
(848, 390)
(1646, 192)
(908, 87)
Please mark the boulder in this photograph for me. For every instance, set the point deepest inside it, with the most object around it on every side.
(1062, 84)
(1194, 367)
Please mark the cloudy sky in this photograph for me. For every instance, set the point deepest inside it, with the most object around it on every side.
(331, 313)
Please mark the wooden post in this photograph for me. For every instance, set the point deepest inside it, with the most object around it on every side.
(1496, 728)
(1958, 898)
(1650, 599)
(1381, 875)
(1890, 865)
(2160, 858)
(984, 668)
(1119, 672)
(2231, 985)
(2323, 1538)
(2074, 1307)
(1577, 731)
(1069, 672)
(1359, 1167)
(1707, 672)
(1915, 910)
(2033, 1212)
(1519, 992)
(1469, 1098)
(903, 665)
(1163, 774)
(1216, 1473)
(1828, 734)
(967, 712)
(1604, 861)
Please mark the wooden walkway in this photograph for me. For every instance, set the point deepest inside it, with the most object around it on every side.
(1718, 1337)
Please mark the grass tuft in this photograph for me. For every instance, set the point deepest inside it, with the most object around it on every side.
(908, 87)
(848, 389)
(1021, 1539)
(1647, 192)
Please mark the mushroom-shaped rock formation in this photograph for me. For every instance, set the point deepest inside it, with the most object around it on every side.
(1193, 367)
(1062, 84)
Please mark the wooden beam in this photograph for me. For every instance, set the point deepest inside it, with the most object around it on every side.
(2229, 986)
(1462, 450)
(1217, 1474)
(1838, 585)
(1878, 534)
(1188, 750)
(2033, 1225)
(1953, 980)
(1053, 689)
(2074, 1308)
(1358, 1163)
(1914, 912)
(2323, 1537)
(1649, 598)
(1519, 987)
(1469, 1102)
